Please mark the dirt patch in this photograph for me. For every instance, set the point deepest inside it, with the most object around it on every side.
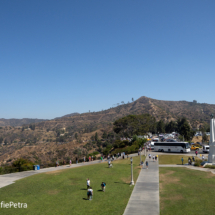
(53, 192)
(209, 175)
(56, 172)
(122, 161)
(126, 180)
(166, 178)
(172, 198)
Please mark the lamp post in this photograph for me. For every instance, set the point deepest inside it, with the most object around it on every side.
(140, 156)
(132, 181)
(145, 150)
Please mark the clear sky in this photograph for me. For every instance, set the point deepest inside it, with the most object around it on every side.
(59, 57)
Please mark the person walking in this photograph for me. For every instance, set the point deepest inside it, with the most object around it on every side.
(88, 183)
(70, 162)
(189, 161)
(196, 152)
(101, 158)
(203, 157)
(76, 160)
(103, 185)
(84, 159)
(193, 159)
(182, 160)
(90, 193)
(147, 164)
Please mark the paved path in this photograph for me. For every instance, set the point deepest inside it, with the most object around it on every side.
(145, 196)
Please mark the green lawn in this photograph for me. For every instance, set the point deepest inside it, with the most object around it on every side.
(64, 192)
(173, 159)
(184, 191)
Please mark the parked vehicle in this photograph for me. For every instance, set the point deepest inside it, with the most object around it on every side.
(155, 140)
(193, 147)
(172, 147)
(171, 140)
(206, 148)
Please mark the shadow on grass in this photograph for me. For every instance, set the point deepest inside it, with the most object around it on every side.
(99, 190)
(83, 189)
(85, 198)
(122, 183)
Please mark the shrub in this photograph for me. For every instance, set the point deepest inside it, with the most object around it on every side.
(198, 163)
(210, 166)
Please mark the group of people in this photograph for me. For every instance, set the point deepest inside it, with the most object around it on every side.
(189, 160)
(154, 157)
(90, 189)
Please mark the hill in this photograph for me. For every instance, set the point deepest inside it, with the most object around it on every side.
(18, 122)
(73, 135)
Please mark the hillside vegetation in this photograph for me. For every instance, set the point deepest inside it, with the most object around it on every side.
(78, 134)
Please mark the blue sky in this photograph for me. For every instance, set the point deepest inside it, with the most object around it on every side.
(60, 57)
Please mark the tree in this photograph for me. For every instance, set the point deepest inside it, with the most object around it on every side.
(161, 126)
(171, 126)
(134, 125)
(76, 136)
(132, 99)
(204, 137)
(184, 129)
(1, 139)
(96, 136)
(104, 135)
(32, 127)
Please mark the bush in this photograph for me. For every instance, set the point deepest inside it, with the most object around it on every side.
(198, 163)
(210, 166)
(127, 150)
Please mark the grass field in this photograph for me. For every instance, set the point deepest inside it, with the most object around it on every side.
(173, 159)
(184, 191)
(64, 192)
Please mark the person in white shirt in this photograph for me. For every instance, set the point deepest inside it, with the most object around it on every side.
(90, 193)
(88, 183)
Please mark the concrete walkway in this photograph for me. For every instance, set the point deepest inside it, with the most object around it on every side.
(145, 196)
